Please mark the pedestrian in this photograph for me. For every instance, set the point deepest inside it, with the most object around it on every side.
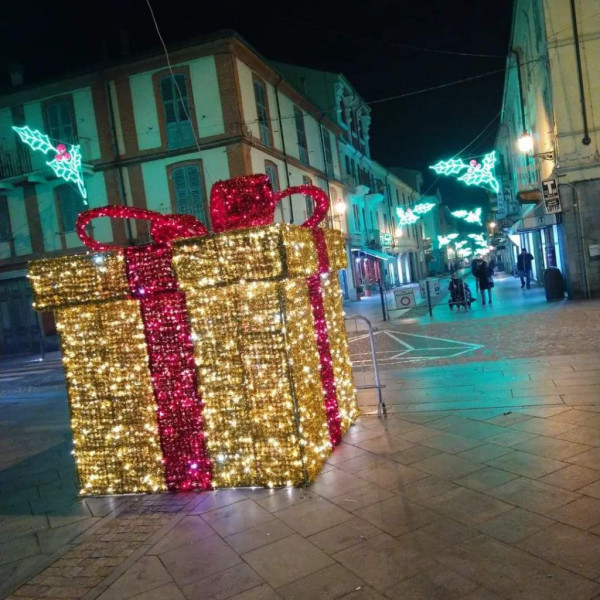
(474, 263)
(524, 261)
(486, 281)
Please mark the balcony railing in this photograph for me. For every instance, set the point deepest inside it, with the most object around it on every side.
(373, 240)
(14, 163)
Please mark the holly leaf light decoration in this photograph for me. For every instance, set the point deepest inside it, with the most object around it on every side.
(406, 217)
(473, 172)
(66, 164)
(423, 208)
(470, 216)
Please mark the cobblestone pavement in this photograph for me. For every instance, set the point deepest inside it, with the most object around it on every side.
(481, 483)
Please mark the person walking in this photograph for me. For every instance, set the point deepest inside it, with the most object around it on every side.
(485, 280)
(474, 264)
(524, 261)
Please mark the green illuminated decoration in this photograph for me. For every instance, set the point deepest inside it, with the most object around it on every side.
(406, 217)
(473, 173)
(470, 216)
(386, 239)
(478, 238)
(444, 240)
(458, 245)
(66, 163)
(423, 208)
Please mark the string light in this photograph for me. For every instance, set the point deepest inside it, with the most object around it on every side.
(444, 240)
(66, 163)
(423, 208)
(236, 371)
(406, 217)
(470, 216)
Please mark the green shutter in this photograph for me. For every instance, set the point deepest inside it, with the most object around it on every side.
(189, 191)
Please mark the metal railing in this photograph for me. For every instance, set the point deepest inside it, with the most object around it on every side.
(381, 408)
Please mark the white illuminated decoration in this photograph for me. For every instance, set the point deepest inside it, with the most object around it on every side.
(406, 217)
(444, 240)
(423, 208)
(470, 216)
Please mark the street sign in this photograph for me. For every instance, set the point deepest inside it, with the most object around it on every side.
(405, 298)
(551, 197)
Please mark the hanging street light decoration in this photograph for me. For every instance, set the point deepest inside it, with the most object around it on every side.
(460, 244)
(423, 208)
(444, 240)
(470, 216)
(66, 163)
(477, 238)
(473, 172)
(406, 217)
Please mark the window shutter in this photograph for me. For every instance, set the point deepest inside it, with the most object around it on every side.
(71, 204)
(189, 191)
(5, 232)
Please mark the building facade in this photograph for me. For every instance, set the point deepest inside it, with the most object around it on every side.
(549, 140)
(156, 139)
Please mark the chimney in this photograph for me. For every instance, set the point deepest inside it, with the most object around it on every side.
(15, 71)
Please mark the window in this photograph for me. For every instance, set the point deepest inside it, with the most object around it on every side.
(176, 108)
(328, 156)
(271, 171)
(262, 112)
(301, 134)
(308, 201)
(343, 111)
(188, 190)
(397, 196)
(60, 121)
(356, 217)
(5, 231)
(70, 204)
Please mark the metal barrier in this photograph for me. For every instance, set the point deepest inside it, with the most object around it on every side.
(381, 408)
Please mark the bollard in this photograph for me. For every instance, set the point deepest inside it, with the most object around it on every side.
(382, 299)
(428, 298)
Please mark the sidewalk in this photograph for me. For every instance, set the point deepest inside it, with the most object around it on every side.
(482, 483)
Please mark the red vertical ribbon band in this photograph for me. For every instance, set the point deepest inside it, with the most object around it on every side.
(315, 292)
(171, 361)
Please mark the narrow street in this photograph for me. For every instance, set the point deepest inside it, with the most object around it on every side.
(482, 483)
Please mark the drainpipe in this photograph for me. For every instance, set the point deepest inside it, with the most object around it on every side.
(115, 144)
(285, 161)
(320, 122)
(586, 140)
(521, 100)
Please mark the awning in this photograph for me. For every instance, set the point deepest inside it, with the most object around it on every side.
(373, 253)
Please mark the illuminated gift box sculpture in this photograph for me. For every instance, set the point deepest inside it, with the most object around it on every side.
(213, 361)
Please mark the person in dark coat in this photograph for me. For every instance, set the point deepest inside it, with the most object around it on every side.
(484, 277)
(474, 264)
(524, 261)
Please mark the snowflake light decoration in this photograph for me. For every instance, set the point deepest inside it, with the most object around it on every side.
(406, 217)
(473, 173)
(66, 163)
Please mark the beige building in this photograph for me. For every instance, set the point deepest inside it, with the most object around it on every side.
(549, 139)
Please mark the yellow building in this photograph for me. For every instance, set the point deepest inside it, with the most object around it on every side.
(549, 139)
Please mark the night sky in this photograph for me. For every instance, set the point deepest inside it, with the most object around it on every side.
(369, 42)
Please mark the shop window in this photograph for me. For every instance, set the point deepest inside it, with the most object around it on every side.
(187, 185)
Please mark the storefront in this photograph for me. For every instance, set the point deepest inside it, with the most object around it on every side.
(371, 266)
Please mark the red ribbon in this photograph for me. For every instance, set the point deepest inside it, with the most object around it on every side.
(164, 228)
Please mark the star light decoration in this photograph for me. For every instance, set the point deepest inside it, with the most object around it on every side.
(406, 217)
(470, 216)
(66, 163)
(473, 172)
(444, 240)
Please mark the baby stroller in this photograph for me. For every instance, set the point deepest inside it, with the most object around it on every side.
(460, 295)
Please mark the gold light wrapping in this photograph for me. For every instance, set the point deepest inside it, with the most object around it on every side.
(113, 412)
(70, 280)
(258, 364)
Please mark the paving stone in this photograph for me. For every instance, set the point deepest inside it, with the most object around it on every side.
(262, 592)
(526, 464)
(189, 563)
(428, 487)
(589, 436)
(391, 475)
(345, 535)
(236, 517)
(279, 499)
(418, 435)
(438, 535)
(532, 495)
(511, 437)
(165, 592)
(514, 574)
(590, 459)
(567, 547)
(188, 530)
(551, 447)
(485, 452)
(591, 490)
(327, 584)
(345, 451)
(414, 454)
(485, 479)
(360, 463)
(385, 444)
(286, 560)
(447, 466)
(440, 583)
(224, 584)
(397, 515)
(571, 477)
(260, 535)
(383, 562)
(18, 548)
(312, 516)
(514, 525)
(146, 574)
(583, 513)
(208, 501)
(336, 482)
(52, 540)
(452, 443)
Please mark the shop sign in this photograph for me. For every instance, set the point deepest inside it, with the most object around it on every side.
(551, 197)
